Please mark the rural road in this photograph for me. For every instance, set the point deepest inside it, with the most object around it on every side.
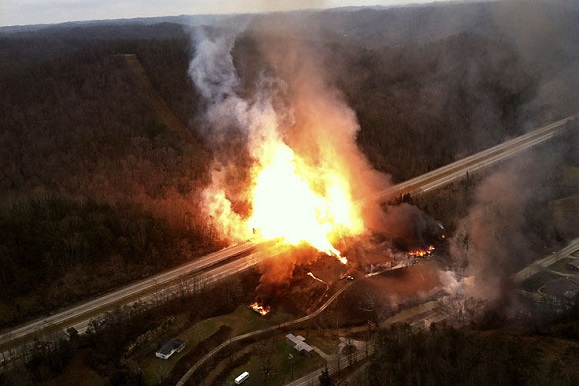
(430, 312)
(238, 338)
(79, 315)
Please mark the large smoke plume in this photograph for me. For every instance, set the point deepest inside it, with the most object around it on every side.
(510, 223)
(291, 100)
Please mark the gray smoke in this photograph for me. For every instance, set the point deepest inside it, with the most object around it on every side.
(214, 75)
(545, 35)
(508, 225)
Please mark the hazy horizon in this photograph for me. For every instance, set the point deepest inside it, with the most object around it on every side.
(30, 12)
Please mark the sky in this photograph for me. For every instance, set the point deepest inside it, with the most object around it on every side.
(25, 12)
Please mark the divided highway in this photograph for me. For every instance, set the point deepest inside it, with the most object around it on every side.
(206, 269)
(92, 308)
(457, 170)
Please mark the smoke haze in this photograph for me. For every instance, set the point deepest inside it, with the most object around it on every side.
(288, 94)
(508, 225)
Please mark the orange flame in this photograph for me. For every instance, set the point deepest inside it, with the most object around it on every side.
(299, 203)
(421, 252)
(260, 308)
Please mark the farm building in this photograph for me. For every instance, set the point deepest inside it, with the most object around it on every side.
(169, 348)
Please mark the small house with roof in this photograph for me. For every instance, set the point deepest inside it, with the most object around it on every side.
(299, 344)
(169, 348)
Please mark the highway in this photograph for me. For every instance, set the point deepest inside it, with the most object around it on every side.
(457, 170)
(543, 263)
(424, 314)
(82, 313)
(201, 270)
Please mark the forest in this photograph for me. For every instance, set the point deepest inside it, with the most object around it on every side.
(444, 355)
(94, 187)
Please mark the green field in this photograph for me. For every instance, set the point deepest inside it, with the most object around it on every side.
(281, 372)
(242, 321)
(571, 176)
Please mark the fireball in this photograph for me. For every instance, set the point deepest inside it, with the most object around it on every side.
(299, 203)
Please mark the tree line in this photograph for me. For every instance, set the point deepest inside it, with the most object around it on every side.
(444, 355)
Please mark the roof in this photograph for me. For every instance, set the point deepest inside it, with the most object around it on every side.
(170, 345)
(299, 343)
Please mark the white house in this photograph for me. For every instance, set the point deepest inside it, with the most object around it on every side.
(171, 347)
(298, 343)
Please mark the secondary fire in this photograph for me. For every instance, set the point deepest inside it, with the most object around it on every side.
(260, 308)
(421, 252)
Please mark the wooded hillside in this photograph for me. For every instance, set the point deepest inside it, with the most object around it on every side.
(92, 181)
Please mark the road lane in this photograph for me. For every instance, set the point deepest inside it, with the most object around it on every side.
(543, 263)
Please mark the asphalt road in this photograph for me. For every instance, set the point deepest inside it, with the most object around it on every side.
(431, 312)
(546, 261)
(79, 315)
(457, 170)
(238, 338)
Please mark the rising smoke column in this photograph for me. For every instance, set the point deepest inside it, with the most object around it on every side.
(226, 125)
(283, 120)
(299, 122)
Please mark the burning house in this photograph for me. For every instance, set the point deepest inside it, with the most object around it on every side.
(260, 308)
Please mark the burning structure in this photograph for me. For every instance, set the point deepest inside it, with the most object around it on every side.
(421, 252)
(260, 308)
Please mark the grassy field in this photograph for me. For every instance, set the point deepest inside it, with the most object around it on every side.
(77, 373)
(561, 266)
(242, 320)
(326, 344)
(571, 176)
(565, 214)
(281, 372)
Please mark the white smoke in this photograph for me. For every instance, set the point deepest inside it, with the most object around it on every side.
(234, 127)
(214, 75)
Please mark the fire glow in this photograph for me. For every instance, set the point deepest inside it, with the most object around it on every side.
(421, 252)
(299, 203)
(260, 308)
